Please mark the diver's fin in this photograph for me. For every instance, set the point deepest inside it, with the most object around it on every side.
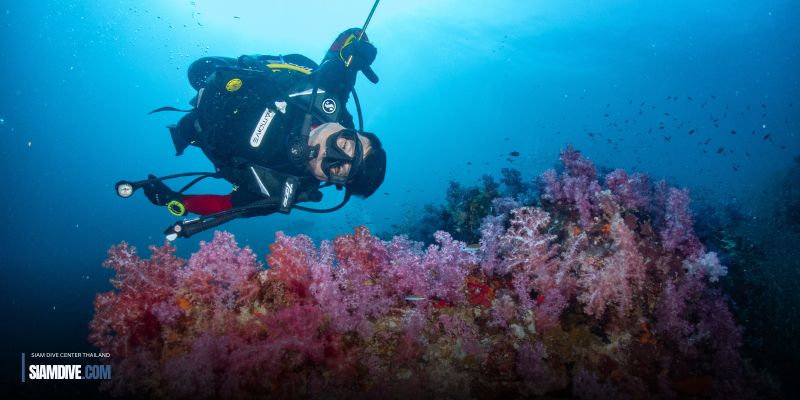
(168, 109)
(178, 140)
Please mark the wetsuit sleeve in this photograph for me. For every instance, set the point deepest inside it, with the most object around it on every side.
(205, 204)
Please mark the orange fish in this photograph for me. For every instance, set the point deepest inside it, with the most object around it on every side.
(183, 304)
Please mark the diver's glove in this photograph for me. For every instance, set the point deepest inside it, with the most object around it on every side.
(363, 54)
(161, 195)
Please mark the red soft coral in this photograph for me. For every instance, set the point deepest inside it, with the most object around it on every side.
(289, 263)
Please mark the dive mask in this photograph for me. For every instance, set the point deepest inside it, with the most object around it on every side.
(336, 157)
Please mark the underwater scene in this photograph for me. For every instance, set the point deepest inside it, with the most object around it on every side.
(400, 199)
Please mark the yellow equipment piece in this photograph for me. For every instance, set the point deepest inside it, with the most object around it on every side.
(233, 85)
(275, 67)
(176, 208)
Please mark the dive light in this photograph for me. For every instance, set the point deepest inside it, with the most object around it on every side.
(125, 189)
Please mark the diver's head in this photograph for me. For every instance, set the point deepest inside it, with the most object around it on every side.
(346, 158)
(373, 168)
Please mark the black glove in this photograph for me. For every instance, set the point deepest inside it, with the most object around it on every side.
(161, 195)
(363, 54)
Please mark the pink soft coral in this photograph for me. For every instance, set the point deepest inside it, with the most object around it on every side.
(601, 289)
(577, 186)
(615, 280)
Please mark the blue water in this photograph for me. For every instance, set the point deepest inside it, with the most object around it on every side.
(463, 84)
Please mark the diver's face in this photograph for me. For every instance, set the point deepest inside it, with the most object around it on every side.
(346, 145)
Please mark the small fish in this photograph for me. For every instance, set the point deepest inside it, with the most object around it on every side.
(469, 162)
(472, 248)
(692, 131)
(733, 132)
(414, 298)
(667, 138)
(720, 150)
(767, 136)
(514, 154)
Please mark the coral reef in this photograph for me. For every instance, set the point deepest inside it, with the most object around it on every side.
(599, 290)
(465, 208)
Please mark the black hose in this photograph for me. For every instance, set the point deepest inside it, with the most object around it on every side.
(358, 109)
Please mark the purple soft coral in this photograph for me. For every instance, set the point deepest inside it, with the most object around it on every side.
(604, 290)
(577, 185)
(678, 232)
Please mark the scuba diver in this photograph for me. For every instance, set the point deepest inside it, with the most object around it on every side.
(277, 128)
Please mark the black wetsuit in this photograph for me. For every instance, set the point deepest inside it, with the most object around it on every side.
(248, 112)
